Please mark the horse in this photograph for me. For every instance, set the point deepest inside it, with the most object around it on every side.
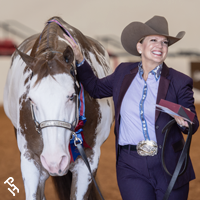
(41, 88)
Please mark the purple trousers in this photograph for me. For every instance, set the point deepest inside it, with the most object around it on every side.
(142, 178)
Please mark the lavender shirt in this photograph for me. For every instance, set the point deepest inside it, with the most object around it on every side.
(138, 108)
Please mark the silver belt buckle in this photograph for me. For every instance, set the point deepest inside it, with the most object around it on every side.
(147, 148)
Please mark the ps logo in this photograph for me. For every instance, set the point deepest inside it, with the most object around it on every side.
(11, 185)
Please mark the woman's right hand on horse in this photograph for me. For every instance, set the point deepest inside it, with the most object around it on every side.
(77, 53)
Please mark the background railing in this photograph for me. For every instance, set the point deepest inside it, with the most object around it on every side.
(16, 28)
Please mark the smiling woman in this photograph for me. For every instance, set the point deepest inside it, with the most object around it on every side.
(153, 50)
(136, 88)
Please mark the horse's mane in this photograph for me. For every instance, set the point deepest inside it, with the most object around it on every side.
(47, 37)
(45, 48)
(46, 40)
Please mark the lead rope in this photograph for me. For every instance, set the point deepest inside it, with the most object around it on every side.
(183, 157)
(78, 142)
(84, 157)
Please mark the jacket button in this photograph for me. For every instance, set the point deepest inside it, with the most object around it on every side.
(157, 127)
(160, 146)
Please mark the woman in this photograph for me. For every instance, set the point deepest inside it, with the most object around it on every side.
(136, 88)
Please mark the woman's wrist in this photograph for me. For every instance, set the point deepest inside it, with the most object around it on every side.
(78, 64)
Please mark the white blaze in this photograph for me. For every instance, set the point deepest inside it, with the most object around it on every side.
(51, 101)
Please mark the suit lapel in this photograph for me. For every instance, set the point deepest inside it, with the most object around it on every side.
(128, 78)
(163, 87)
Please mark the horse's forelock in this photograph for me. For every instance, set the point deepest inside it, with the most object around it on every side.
(50, 67)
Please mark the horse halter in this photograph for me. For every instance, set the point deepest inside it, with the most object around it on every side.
(58, 123)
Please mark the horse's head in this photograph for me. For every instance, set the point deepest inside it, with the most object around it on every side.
(53, 96)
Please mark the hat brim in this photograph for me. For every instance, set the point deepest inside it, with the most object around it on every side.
(135, 31)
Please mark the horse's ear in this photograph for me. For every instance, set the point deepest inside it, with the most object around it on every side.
(68, 55)
(26, 58)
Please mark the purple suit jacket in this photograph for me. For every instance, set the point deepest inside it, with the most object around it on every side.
(174, 86)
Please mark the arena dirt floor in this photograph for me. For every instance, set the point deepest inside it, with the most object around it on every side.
(106, 175)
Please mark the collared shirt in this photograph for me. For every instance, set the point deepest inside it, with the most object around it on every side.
(138, 108)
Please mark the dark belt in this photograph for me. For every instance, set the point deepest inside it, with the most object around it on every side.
(132, 147)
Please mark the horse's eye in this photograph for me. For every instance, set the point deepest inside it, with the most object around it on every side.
(71, 98)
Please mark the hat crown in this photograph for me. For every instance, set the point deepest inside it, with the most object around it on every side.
(159, 24)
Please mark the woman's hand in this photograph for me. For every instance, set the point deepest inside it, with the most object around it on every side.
(180, 121)
(77, 53)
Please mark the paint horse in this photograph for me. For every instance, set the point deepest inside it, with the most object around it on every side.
(40, 98)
